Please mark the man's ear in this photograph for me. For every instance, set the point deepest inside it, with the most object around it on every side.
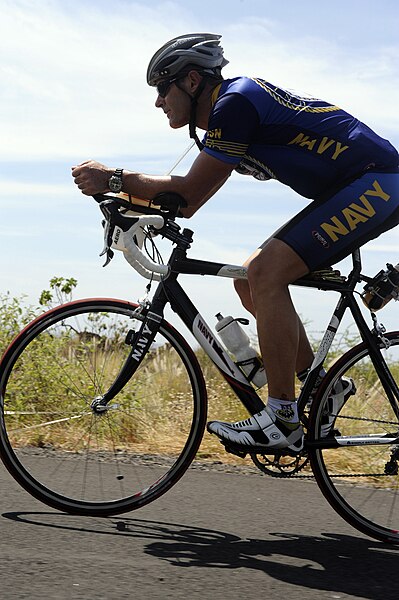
(193, 81)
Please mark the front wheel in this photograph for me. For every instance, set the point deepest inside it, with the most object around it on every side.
(359, 477)
(82, 460)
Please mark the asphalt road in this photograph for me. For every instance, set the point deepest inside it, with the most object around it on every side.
(216, 535)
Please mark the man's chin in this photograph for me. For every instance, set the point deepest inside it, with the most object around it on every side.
(176, 124)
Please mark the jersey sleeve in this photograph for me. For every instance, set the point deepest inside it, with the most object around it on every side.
(232, 126)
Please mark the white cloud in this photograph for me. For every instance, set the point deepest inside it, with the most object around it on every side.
(320, 65)
(74, 80)
(12, 188)
(73, 74)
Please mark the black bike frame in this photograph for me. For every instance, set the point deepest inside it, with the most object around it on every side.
(170, 291)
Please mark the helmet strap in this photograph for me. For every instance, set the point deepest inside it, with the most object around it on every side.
(192, 124)
(193, 113)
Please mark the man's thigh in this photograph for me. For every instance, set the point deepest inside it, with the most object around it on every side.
(326, 232)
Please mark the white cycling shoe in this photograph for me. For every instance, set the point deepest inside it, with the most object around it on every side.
(340, 393)
(259, 433)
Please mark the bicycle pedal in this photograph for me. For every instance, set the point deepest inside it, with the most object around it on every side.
(233, 450)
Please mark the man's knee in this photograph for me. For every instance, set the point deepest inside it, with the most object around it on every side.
(275, 267)
(261, 272)
(241, 286)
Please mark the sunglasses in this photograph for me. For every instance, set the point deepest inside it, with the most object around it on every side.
(163, 86)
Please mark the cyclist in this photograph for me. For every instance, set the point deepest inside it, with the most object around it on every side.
(349, 173)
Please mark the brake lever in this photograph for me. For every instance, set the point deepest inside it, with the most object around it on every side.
(113, 219)
(108, 237)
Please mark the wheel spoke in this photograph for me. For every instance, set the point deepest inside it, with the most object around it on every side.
(87, 461)
(361, 480)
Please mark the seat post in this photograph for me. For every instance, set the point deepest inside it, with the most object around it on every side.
(353, 277)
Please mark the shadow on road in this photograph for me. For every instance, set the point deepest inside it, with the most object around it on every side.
(357, 567)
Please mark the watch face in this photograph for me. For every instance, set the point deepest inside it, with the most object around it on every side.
(115, 184)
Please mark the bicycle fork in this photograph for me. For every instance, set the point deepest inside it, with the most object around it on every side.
(140, 342)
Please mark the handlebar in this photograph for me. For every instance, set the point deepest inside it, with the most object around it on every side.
(132, 252)
(124, 229)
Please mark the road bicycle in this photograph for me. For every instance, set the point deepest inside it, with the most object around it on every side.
(104, 403)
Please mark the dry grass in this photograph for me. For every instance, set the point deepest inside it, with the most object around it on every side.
(153, 411)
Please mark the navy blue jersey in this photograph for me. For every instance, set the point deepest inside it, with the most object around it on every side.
(308, 144)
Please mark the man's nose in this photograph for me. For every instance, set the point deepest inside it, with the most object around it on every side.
(159, 101)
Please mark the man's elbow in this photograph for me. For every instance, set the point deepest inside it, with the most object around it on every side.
(191, 208)
(189, 211)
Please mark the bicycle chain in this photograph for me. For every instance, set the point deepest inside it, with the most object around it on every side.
(343, 475)
(369, 420)
(281, 475)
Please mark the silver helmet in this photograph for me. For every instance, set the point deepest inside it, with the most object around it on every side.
(199, 49)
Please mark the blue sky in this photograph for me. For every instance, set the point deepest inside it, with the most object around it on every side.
(73, 87)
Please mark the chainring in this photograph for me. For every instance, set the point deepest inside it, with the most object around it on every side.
(280, 464)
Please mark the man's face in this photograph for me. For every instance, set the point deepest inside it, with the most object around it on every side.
(176, 105)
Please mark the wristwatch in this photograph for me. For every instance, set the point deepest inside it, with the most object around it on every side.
(115, 181)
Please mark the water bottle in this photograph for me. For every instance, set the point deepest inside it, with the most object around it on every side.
(238, 343)
(382, 288)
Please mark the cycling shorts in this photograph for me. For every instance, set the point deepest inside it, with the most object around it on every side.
(330, 229)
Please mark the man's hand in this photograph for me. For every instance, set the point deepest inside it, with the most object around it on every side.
(92, 177)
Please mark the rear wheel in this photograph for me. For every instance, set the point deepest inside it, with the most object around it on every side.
(81, 460)
(361, 482)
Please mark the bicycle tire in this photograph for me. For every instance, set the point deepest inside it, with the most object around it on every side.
(361, 483)
(73, 459)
